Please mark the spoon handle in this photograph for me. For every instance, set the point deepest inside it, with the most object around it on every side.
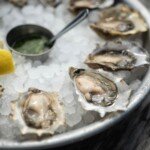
(79, 18)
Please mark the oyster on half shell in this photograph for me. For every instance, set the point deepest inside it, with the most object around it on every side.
(1, 90)
(38, 112)
(77, 5)
(98, 92)
(120, 20)
(117, 55)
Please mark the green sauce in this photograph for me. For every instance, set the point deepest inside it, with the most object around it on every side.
(32, 45)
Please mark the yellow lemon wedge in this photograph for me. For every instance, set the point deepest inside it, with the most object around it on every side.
(6, 62)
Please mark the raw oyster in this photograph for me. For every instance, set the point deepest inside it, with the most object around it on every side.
(53, 3)
(1, 90)
(38, 112)
(98, 92)
(120, 20)
(19, 3)
(117, 56)
(76, 5)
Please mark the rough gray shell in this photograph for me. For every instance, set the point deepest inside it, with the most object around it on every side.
(77, 5)
(120, 20)
(19, 3)
(117, 56)
(98, 92)
(38, 112)
(53, 3)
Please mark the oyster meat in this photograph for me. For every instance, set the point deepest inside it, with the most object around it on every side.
(38, 112)
(77, 5)
(1, 90)
(120, 20)
(117, 56)
(99, 93)
(19, 3)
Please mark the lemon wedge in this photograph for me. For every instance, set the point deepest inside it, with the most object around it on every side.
(6, 62)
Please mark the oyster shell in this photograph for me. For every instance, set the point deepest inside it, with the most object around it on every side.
(1, 90)
(120, 20)
(76, 5)
(53, 3)
(38, 112)
(117, 56)
(98, 92)
(19, 3)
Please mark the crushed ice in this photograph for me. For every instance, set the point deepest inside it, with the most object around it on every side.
(70, 50)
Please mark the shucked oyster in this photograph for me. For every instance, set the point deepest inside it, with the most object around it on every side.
(38, 112)
(98, 92)
(120, 20)
(19, 3)
(117, 56)
(1, 90)
(76, 5)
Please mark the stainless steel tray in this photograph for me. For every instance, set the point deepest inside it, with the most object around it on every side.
(97, 127)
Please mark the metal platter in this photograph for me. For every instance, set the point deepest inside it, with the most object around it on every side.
(96, 127)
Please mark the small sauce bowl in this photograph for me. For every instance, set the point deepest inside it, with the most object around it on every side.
(29, 30)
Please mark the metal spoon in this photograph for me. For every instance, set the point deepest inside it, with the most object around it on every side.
(80, 17)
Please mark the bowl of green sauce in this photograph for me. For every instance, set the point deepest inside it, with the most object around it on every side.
(30, 41)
